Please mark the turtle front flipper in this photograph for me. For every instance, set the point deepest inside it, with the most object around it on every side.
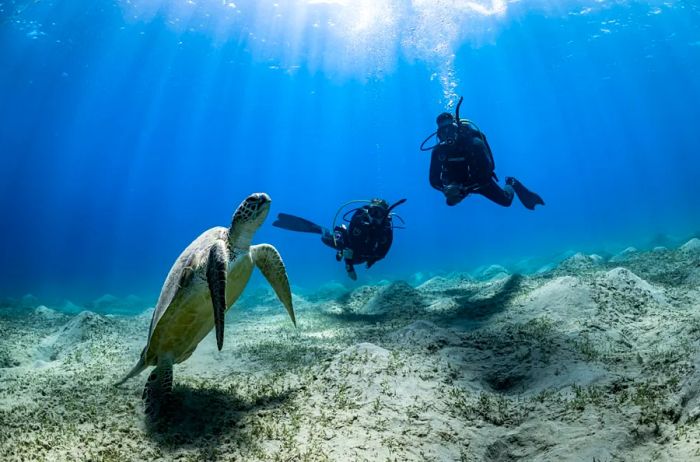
(216, 278)
(157, 393)
(269, 262)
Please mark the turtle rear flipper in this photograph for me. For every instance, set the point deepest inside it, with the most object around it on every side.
(157, 393)
(269, 262)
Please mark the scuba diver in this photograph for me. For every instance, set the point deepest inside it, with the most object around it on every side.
(366, 238)
(461, 163)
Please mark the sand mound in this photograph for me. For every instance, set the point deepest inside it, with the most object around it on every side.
(69, 307)
(693, 278)
(493, 272)
(45, 312)
(424, 334)
(623, 284)
(692, 246)
(28, 301)
(565, 300)
(580, 261)
(108, 303)
(442, 305)
(397, 297)
(264, 299)
(440, 284)
(362, 359)
(329, 291)
(80, 328)
(625, 255)
(493, 288)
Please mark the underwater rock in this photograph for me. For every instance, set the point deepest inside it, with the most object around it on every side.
(659, 249)
(692, 246)
(625, 255)
(80, 328)
(424, 334)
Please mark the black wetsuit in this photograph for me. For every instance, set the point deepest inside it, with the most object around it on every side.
(468, 163)
(366, 241)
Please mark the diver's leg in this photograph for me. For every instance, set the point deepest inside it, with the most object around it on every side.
(350, 270)
(492, 191)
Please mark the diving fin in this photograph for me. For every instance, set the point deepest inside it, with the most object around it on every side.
(293, 223)
(528, 198)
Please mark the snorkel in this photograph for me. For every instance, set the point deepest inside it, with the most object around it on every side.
(456, 122)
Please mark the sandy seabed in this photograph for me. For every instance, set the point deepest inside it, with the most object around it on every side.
(590, 360)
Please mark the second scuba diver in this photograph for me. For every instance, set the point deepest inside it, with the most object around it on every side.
(461, 163)
(366, 239)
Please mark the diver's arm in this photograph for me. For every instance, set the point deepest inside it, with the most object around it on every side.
(436, 168)
(327, 238)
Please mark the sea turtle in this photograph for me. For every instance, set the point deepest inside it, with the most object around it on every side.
(202, 284)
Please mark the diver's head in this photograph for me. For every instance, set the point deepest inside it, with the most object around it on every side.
(447, 128)
(378, 210)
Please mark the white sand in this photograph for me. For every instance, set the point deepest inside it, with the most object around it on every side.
(589, 361)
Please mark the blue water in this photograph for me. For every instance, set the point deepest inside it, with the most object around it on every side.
(128, 128)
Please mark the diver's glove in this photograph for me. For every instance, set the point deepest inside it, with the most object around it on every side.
(454, 193)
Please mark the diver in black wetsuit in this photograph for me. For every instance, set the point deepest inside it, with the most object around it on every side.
(366, 239)
(462, 163)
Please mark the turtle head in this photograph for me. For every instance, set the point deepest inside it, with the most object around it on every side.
(247, 219)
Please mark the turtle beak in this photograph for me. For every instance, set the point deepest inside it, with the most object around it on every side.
(260, 198)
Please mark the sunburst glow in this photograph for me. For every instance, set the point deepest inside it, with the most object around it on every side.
(359, 38)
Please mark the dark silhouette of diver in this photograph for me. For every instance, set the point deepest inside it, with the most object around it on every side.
(366, 239)
(462, 163)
